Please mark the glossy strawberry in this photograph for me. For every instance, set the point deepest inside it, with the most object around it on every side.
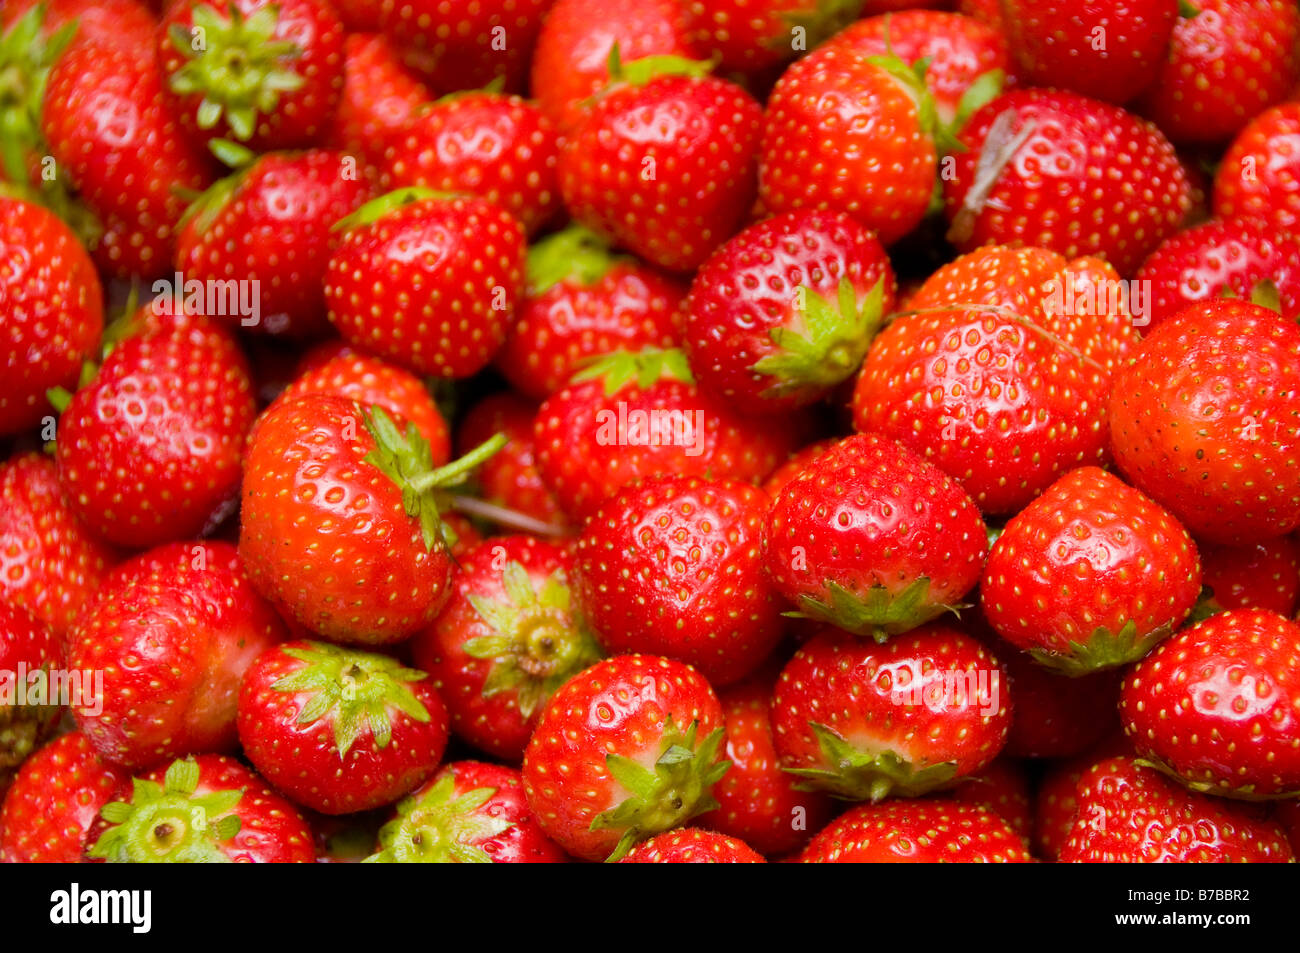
(510, 477)
(1259, 175)
(691, 845)
(917, 832)
(1263, 575)
(29, 698)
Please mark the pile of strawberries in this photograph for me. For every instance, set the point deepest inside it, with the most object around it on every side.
(658, 431)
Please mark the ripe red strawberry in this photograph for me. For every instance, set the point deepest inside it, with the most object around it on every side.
(339, 525)
(754, 35)
(208, 809)
(1216, 259)
(1259, 175)
(98, 21)
(1228, 63)
(510, 636)
(571, 62)
(1090, 575)
(691, 845)
(150, 450)
(1056, 716)
(51, 311)
(266, 232)
(510, 477)
(54, 799)
(1000, 375)
(785, 310)
(582, 303)
(1206, 422)
(1263, 575)
(29, 704)
(173, 632)
(797, 463)
(664, 163)
(631, 417)
(1099, 48)
(674, 567)
(498, 147)
(452, 273)
(873, 539)
(1058, 170)
(918, 832)
(266, 73)
(1216, 703)
(866, 721)
(758, 802)
(624, 750)
(1130, 814)
(50, 563)
(1003, 788)
(470, 812)
(339, 730)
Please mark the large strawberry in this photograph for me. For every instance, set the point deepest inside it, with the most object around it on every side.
(624, 750)
(339, 730)
(29, 702)
(873, 539)
(1205, 420)
(51, 311)
(917, 832)
(690, 845)
(1259, 175)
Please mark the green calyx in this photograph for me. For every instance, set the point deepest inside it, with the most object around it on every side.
(573, 254)
(236, 65)
(25, 61)
(861, 776)
(538, 641)
(377, 208)
(354, 690)
(820, 23)
(644, 368)
(22, 729)
(1103, 650)
(1188, 10)
(877, 612)
(408, 462)
(1265, 293)
(440, 827)
(829, 347)
(641, 71)
(678, 787)
(168, 822)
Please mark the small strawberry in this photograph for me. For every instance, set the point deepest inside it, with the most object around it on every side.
(1090, 575)
(1205, 421)
(1263, 575)
(1259, 175)
(209, 809)
(470, 812)
(28, 653)
(873, 539)
(690, 845)
(917, 832)
(510, 477)
(624, 750)
(866, 721)
(338, 730)
(510, 636)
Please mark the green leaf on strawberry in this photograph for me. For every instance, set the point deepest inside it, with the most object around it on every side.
(440, 827)
(877, 612)
(575, 253)
(645, 367)
(865, 776)
(1104, 649)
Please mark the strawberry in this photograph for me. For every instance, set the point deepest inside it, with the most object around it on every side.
(50, 563)
(758, 802)
(1226, 64)
(1263, 575)
(583, 302)
(753, 35)
(1259, 175)
(269, 74)
(28, 653)
(571, 62)
(51, 311)
(1090, 575)
(339, 525)
(784, 311)
(442, 311)
(339, 730)
(265, 231)
(150, 450)
(97, 21)
(866, 721)
(1056, 716)
(1215, 704)
(173, 631)
(624, 750)
(690, 845)
(509, 478)
(649, 420)
(1056, 802)
(1058, 170)
(798, 462)
(1205, 421)
(1130, 814)
(1105, 50)
(1026, 345)
(209, 809)
(470, 812)
(54, 799)
(510, 636)
(917, 832)
(664, 162)
(673, 567)
(873, 539)
(1003, 788)
(498, 147)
